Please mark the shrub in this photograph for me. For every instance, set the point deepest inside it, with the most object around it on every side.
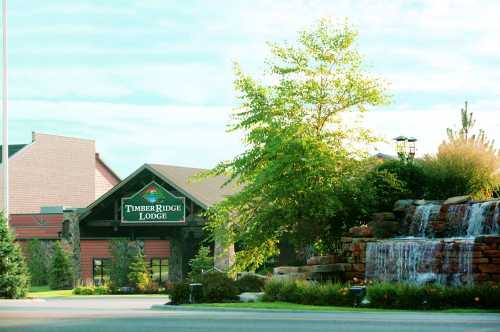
(466, 164)
(61, 272)
(250, 283)
(305, 292)
(138, 276)
(179, 293)
(14, 277)
(201, 263)
(217, 287)
(382, 295)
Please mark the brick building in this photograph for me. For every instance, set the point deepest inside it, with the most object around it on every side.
(61, 189)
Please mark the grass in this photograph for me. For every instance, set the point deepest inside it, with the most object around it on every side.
(303, 307)
(45, 291)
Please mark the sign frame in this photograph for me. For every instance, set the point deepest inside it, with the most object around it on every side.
(153, 223)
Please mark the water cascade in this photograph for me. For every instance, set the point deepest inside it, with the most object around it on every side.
(421, 258)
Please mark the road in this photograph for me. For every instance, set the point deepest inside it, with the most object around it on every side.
(85, 314)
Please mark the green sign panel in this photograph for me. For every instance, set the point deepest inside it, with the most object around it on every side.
(153, 204)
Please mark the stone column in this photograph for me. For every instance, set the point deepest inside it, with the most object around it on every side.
(175, 260)
(224, 256)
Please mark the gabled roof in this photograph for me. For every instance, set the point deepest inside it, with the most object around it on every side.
(13, 149)
(205, 192)
(209, 190)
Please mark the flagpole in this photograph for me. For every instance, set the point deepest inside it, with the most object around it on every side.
(5, 118)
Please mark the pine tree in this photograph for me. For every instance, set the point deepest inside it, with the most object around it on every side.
(37, 263)
(61, 272)
(14, 277)
(138, 276)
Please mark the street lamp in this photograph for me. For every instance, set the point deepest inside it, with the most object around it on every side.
(405, 148)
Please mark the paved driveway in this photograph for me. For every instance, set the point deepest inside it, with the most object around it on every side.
(134, 314)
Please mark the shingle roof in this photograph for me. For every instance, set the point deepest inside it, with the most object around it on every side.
(207, 190)
(13, 149)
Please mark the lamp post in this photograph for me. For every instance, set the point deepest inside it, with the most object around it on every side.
(5, 118)
(406, 148)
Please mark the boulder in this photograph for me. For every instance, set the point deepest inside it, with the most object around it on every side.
(250, 296)
(457, 200)
(285, 269)
(402, 205)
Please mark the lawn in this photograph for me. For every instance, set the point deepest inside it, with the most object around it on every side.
(45, 291)
(303, 307)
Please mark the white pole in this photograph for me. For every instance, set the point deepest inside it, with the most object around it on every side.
(5, 127)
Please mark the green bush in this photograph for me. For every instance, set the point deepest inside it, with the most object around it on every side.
(14, 276)
(61, 271)
(217, 287)
(179, 293)
(250, 283)
(92, 290)
(304, 292)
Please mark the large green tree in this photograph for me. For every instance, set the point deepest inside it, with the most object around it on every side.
(301, 173)
(61, 270)
(14, 277)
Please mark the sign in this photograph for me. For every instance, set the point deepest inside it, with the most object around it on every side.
(153, 204)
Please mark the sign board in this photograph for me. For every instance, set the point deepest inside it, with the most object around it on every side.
(153, 204)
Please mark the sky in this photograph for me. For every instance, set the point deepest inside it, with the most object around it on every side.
(151, 81)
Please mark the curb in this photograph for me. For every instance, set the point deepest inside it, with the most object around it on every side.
(6, 301)
(167, 307)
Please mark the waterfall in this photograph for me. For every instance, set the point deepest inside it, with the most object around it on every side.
(402, 260)
(478, 220)
(420, 222)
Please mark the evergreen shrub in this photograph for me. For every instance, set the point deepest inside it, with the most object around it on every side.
(218, 287)
(14, 276)
(138, 275)
(38, 261)
(61, 271)
(179, 293)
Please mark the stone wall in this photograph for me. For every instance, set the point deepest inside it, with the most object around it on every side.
(485, 264)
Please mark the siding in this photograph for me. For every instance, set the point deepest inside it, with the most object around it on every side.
(43, 226)
(52, 171)
(156, 248)
(90, 249)
(104, 179)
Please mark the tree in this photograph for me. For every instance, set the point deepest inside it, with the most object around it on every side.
(38, 263)
(202, 262)
(61, 271)
(14, 277)
(138, 275)
(466, 164)
(120, 262)
(300, 172)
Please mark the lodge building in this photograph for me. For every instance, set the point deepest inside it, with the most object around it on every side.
(62, 190)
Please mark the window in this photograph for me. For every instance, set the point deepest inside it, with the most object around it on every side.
(159, 270)
(101, 270)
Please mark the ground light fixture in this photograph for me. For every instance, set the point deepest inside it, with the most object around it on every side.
(406, 148)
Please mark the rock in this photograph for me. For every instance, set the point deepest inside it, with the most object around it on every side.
(250, 296)
(420, 202)
(402, 204)
(285, 269)
(457, 200)
(381, 216)
(318, 260)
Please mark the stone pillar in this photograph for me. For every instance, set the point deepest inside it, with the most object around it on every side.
(175, 260)
(73, 239)
(224, 256)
